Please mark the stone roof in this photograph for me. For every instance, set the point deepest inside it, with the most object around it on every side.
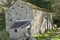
(21, 24)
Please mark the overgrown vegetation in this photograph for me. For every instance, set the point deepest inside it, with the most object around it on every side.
(3, 35)
(2, 21)
(44, 36)
(56, 37)
(48, 5)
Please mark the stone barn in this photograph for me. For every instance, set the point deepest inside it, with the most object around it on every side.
(22, 10)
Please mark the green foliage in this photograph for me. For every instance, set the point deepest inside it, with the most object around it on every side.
(46, 4)
(44, 35)
(41, 3)
(49, 35)
(49, 5)
(56, 37)
(2, 21)
(3, 35)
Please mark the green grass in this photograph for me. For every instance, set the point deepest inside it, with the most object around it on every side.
(44, 36)
(3, 35)
(56, 37)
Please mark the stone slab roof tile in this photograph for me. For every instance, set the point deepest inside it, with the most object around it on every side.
(21, 24)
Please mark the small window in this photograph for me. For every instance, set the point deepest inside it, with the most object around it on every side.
(22, 7)
(11, 20)
(15, 30)
(29, 31)
(12, 8)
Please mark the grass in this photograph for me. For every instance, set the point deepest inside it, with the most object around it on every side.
(3, 35)
(44, 36)
(56, 37)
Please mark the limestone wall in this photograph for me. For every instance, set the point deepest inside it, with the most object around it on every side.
(39, 23)
(20, 34)
(36, 23)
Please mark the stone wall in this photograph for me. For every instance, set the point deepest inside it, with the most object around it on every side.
(20, 34)
(19, 11)
(38, 24)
